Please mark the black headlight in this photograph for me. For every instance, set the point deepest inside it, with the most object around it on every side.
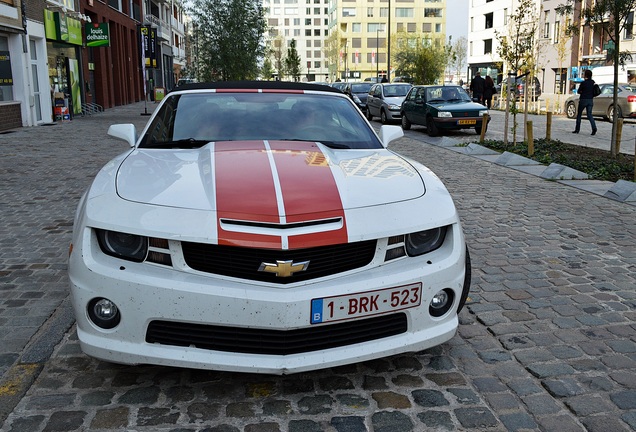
(130, 247)
(425, 241)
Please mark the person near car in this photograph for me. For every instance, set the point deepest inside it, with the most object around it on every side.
(586, 102)
(489, 90)
(477, 87)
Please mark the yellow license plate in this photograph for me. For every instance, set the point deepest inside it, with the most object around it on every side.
(467, 122)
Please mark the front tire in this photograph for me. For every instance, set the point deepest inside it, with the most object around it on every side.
(570, 110)
(467, 280)
(431, 127)
(383, 117)
(369, 115)
(406, 124)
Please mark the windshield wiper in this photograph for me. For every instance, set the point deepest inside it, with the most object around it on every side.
(437, 100)
(186, 143)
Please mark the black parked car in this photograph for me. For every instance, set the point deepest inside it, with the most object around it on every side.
(358, 92)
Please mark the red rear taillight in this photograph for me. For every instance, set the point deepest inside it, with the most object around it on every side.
(631, 98)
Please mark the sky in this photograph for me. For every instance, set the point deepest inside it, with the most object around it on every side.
(457, 18)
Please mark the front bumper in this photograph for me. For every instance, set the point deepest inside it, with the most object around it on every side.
(459, 122)
(146, 293)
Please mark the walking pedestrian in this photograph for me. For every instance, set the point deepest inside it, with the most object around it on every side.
(489, 89)
(586, 101)
(477, 87)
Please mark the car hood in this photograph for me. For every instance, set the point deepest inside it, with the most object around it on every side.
(267, 180)
(395, 100)
(458, 106)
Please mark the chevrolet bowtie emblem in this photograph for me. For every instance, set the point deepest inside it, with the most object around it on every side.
(283, 268)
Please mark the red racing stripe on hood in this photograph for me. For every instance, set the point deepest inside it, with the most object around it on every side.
(309, 191)
(287, 182)
(245, 191)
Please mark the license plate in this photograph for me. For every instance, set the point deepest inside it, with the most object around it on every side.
(466, 122)
(338, 308)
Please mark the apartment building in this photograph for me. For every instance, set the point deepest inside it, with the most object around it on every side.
(362, 29)
(306, 22)
(560, 57)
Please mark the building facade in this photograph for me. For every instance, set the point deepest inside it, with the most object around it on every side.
(359, 27)
(63, 58)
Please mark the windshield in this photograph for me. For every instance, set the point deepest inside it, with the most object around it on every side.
(194, 119)
(396, 90)
(447, 94)
(361, 88)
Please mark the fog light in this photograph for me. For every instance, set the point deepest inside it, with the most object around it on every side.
(104, 313)
(441, 302)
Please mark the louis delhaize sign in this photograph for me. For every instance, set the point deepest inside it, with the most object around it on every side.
(97, 35)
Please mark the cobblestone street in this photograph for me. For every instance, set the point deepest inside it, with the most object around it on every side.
(547, 341)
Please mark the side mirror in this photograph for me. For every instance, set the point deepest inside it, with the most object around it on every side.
(125, 131)
(390, 133)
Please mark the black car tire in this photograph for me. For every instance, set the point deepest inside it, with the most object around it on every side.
(406, 124)
(383, 117)
(369, 115)
(431, 127)
(467, 282)
(570, 110)
(478, 129)
(610, 112)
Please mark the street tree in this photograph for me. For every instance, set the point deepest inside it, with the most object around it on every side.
(331, 48)
(279, 56)
(610, 18)
(517, 48)
(292, 61)
(230, 35)
(267, 70)
(460, 50)
(421, 58)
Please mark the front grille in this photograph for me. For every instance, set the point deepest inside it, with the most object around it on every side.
(275, 342)
(244, 263)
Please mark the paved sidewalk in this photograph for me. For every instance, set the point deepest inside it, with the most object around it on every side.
(546, 343)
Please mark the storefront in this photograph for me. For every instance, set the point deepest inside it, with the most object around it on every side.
(64, 39)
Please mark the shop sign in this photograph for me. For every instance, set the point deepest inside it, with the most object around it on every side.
(149, 40)
(6, 78)
(60, 27)
(97, 35)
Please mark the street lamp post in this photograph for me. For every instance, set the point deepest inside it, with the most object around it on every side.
(388, 48)
(377, 54)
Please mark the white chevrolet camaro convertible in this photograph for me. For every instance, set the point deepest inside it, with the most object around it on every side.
(264, 227)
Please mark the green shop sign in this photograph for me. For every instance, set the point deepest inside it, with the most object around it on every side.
(60, 27)
(97, 35)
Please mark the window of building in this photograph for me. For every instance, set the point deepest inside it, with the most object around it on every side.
(316, 21)
(629, 26)
(317, 43)
(317, 11)
(316, 65)
(557, 31)
(432, 12)
(505, 12)
(384, 12)
(348, 12)
(546, 24)
(404, 12)
(427, 27)
(316, 32)
(370, 12)
(291, 11)
(296, 21)
(296, 32)
(488, 20)
(400, 27)
(488, 46)
(356, 42)
(470, 47)
(375, 27)
(307, 32)
(438, 28)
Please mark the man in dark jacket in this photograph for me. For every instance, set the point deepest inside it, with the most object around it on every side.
(586, 101)
(477, 87)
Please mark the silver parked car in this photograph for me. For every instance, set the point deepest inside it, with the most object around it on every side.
(604, 103)
(385, 101)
